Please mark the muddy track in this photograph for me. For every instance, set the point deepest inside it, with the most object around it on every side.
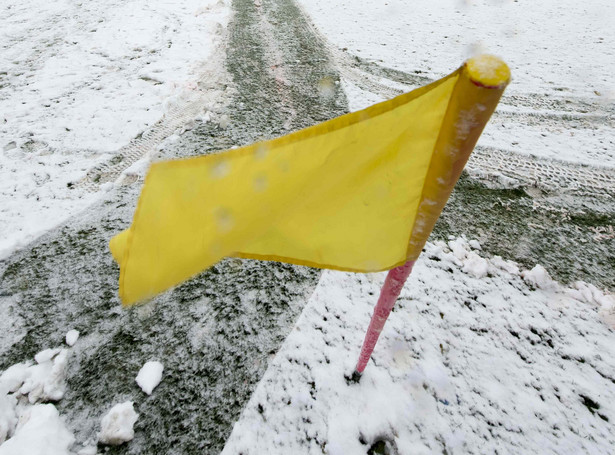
(214, 334)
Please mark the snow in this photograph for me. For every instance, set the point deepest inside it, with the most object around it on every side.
(475, 265)
(14, 377)
(78, 82)
(28, 428)
(554, 44)
(477, 356)
(43, 381)
(465, 364)
(538, 277)
(558, 52)
(8, 417)
(475, 245)
(40, 432)
(508, 266)
(117, 424)
(71, 337)
(150, 376)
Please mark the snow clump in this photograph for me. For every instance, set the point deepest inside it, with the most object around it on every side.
(507, 266)
(149, 376)
(44, 381)
(40, 432)
(475, 265)
(8, 417)
(71, 337)
(538, 277)
(117, 424)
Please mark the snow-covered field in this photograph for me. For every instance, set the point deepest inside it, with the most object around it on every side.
(560, 52)
(477, 357)
(550, 45)
(78, 81)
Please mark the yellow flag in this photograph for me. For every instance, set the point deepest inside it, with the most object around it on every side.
(359, 193)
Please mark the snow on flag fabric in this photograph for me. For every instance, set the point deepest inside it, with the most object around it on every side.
(360, 192)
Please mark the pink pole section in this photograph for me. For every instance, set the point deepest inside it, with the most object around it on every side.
(388, 295)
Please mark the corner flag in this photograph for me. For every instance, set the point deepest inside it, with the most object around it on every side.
(360, 192)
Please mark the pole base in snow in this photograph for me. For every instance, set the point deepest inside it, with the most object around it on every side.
(354, 379)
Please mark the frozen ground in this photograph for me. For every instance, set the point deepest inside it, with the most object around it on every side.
(78, 81)
(477, 357)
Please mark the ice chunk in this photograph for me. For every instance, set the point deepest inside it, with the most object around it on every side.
(149, 376)
(117, 424)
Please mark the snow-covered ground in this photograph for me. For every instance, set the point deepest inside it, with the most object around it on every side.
(77, 82)
(552, 45)
(560, 53)
(477, 357)
(29, 421)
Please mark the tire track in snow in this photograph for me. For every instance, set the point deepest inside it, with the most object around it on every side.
(546, 174)
(210, 92)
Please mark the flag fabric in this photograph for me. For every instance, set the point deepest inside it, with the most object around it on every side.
(360, 192)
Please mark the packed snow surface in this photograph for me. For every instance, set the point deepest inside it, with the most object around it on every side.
(468, 362)
(117, 424)
(150, 376)
(549, 45)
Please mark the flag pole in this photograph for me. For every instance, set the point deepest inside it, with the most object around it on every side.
(478, 89)
(393, 285)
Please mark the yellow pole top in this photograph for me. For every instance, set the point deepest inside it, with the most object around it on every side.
(488, 71)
